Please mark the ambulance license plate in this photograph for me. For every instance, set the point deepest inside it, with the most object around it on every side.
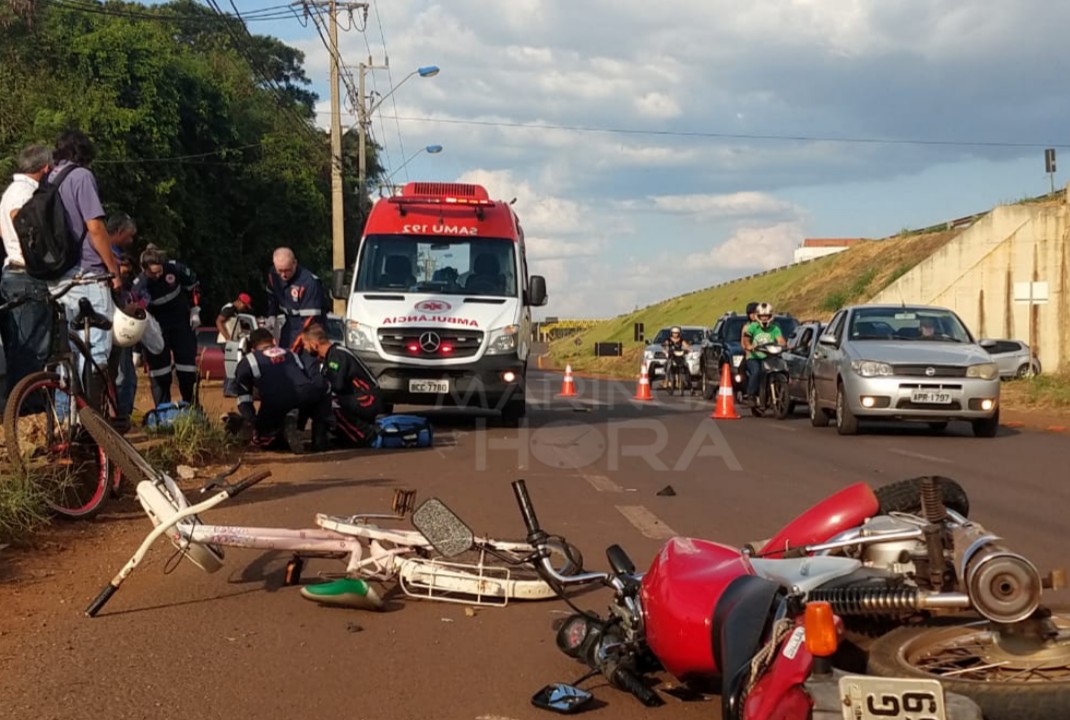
(429, 386)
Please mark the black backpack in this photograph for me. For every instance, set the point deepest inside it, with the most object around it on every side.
(48, 250)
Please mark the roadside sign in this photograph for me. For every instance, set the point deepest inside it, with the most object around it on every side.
(1031, 292)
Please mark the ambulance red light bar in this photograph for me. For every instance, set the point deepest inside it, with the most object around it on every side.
(401, 200)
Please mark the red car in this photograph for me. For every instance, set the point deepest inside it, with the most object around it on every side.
(210, 354)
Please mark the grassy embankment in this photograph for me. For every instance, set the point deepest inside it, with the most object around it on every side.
(811, 290)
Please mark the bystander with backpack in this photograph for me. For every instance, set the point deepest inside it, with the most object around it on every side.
(26, 328)
(64, 239)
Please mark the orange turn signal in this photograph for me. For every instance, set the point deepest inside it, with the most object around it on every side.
(822, 638)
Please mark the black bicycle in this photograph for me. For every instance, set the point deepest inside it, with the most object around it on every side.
(44, 438)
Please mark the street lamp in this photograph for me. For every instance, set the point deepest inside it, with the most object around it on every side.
(430, 150)
(364, 113)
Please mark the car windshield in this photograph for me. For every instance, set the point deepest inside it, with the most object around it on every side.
(907, 323)
(444, 266)
(733, 327)
(692, 335)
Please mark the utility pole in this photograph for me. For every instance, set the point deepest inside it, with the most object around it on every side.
(338, 255)
(338, 225)
(362, 126)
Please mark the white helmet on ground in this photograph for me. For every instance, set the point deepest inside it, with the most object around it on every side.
(764, 312)
(128, 326)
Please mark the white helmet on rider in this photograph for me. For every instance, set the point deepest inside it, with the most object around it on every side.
(764, 311)
(129, 326)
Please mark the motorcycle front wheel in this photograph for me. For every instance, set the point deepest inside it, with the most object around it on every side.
(1010, 672)
(778, 389)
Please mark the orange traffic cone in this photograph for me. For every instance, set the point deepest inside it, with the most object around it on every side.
(568, 385)
(726, 397)
(642, 392)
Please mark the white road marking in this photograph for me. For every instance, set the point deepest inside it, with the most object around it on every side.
(603, 484)
(919, 456)
(646, 522)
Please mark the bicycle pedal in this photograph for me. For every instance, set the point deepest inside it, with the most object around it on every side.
(293, 571)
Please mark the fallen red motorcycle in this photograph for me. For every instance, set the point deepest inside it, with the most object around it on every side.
(704, 615)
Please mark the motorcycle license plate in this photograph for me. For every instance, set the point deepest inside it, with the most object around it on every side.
(930, 397)
(429, 386)
(864, 697)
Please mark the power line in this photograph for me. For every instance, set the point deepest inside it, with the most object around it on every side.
(390, 79)
(279, 12)
(179, 158)
(729, 136)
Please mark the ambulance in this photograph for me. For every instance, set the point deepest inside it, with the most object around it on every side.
(439, 303)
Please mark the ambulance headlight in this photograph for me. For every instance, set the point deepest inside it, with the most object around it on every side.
(503, 340)
(359, 337)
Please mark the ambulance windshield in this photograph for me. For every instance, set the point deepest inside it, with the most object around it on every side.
(450, 266)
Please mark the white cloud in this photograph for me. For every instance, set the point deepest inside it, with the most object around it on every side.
(712, 97)
(752, 248)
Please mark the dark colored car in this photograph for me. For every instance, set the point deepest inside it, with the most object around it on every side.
(725, 346)
(210, 354)
(800, 358)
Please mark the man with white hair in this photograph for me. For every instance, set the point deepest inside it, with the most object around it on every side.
(26, 328)
(297, 294)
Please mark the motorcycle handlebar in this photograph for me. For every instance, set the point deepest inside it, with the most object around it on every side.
(626, 679)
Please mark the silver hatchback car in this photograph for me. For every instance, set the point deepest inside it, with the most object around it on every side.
(897, 362)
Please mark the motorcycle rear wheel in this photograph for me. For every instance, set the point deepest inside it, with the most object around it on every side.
(1010, 677)
(905, 496)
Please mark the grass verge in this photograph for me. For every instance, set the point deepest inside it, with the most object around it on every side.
(1044, 392)
(191, 440)
(23, 507)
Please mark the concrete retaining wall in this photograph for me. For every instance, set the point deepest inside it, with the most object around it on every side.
(974, 275)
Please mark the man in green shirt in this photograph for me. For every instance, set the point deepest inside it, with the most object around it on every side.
(761, 332)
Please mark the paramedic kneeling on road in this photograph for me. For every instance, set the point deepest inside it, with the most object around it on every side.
(286, 389)
(756, 334)
(356, 393)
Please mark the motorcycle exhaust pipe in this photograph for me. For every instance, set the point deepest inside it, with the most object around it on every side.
(1003, 586)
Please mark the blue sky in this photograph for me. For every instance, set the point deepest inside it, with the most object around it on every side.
(716, 131)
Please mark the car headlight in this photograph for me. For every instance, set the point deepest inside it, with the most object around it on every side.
(695, 353)
(648, 354)
(985, 371)
(359, 337)
(871, 368)
(503, 340)
(737, 360)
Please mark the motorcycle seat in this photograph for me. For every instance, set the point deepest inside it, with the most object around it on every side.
(805, 573)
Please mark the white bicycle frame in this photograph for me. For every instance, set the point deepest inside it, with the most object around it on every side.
(372, 552)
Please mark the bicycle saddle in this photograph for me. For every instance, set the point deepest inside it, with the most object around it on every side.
(86, 312)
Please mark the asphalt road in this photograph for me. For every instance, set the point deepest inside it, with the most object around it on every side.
(238, 644)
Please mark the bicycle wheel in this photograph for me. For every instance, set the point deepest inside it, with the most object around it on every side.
(99, 393)
(46, 441)
(117, 448)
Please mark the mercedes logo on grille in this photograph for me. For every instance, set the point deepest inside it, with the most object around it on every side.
(429, 342)
(930, 371)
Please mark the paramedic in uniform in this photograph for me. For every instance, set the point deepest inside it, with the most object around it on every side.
(171, 293)
(355, 392)
(297, 294)
(286, 389)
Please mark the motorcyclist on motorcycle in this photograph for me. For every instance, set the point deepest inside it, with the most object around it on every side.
(760, 332)
(675, 341)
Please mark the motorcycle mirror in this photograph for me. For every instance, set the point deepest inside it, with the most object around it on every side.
(561, 698)
(446, 532)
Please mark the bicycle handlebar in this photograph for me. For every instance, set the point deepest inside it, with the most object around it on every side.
(54, 296)
(527, 510)
(249, 482)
